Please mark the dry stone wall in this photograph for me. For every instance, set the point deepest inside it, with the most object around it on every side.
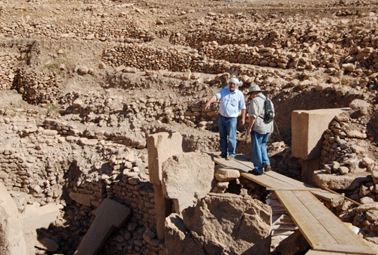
(71, 147)
(43, 87)
(348, 162)
(302, 47)
(45, 167)
(38, 87)
(13, 54)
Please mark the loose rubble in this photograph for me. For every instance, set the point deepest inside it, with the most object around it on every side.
(83, 84)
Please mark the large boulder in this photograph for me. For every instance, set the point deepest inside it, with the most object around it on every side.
(186, 178)
(221, 224)
(178, 239)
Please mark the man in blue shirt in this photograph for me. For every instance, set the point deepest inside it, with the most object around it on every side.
(231, 103)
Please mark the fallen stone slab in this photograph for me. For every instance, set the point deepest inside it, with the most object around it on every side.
(109, 215)
(340, 182)
(83, 199)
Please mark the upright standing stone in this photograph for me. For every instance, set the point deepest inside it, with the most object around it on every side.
(12, 239)
(307, 128)
(161, 146)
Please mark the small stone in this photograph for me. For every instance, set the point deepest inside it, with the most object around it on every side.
(343, 170)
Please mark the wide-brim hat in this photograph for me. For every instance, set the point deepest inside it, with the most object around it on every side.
(254, 88)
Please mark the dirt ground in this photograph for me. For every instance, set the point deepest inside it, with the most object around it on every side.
(117, 71)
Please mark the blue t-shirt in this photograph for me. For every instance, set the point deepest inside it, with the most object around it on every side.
(230, 102)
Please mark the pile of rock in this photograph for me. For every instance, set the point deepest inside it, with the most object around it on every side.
(224, 176)
(38, 87)
(347, 154)
(365, 217)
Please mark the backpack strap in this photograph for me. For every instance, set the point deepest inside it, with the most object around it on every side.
(264, 98)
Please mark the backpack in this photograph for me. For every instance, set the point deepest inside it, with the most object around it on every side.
(268, 115)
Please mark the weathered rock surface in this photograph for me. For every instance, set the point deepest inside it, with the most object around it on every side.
(11, 231)
(109, 215)
(186, 178)
(221, 224)
(84, 83)
(339, 182)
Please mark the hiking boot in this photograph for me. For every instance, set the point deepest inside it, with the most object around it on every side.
(222, 156)
(255, 172)
(230, 157)
(267, 168)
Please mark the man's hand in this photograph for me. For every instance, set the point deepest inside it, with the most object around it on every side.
(251, 123)
(211, 100)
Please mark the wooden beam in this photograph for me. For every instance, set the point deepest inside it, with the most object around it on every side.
(293, 188)
(321, 228)
(313, 252)
(309, 226)
(244, 164)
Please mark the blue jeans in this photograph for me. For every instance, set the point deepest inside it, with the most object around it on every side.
(227, 133)
(259, 152)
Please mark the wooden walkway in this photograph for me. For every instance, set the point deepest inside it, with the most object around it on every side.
(326, 233)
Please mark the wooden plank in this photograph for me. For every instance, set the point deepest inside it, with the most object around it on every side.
(309, 226)
(326, 195)
(313, 252)
(348, 249)
(321, 228)
(289, 180)
(265, 181)
(325, 217)
(323, 235)
(262, 180)
(347, 198)
(242, 163)
(346, 239)
(245, 161)
(293, 188)
(231, 163)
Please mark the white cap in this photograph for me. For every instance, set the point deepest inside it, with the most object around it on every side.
(235, 81)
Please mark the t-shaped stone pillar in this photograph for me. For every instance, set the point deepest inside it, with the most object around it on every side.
(161, 146)
(307, 128)
(109, 215)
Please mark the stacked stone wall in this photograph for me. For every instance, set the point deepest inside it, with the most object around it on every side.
(47, 166)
